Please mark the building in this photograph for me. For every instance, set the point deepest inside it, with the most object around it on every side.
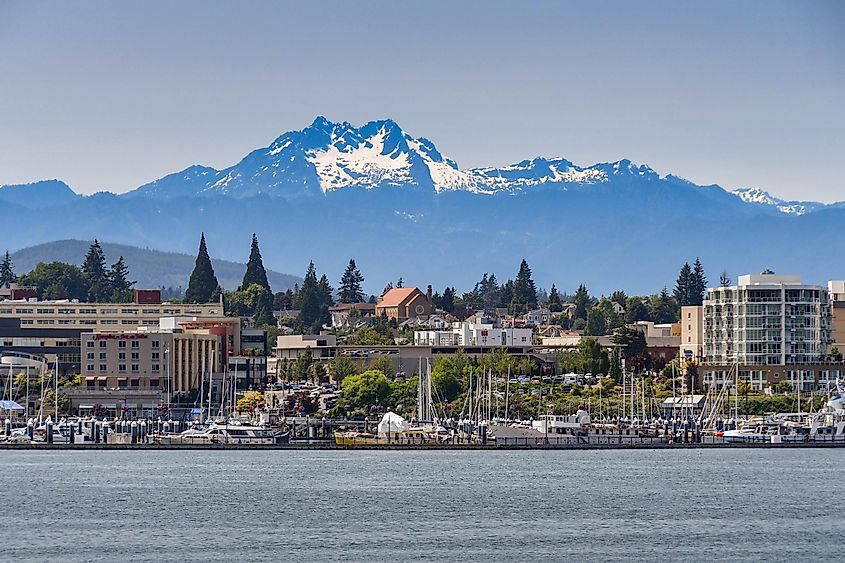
(474, 334)
(766, 319)
(345, 315)
(836, 294)
(145, 310)
(403, 303)
(537, 317)
(51, 344)
(692, 333)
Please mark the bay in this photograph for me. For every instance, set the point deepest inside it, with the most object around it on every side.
(648, 505)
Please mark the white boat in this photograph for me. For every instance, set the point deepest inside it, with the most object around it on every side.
(226, 434)
(772, 431)
(566, 429)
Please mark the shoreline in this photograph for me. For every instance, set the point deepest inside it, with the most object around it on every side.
(415, 447)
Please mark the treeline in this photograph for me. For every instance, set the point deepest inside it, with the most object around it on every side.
(92, 281)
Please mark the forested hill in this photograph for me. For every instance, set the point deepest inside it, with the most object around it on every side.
(149, 268)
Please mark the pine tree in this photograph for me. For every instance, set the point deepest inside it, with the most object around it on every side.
(684, 285)
(724, 279)
(203, 282)
(350, 285)
(582, 302)
(664, 308)
(255, 272)
(524, 290)
(698, 284)
(120, 283)
(400, 283)
(325, 291)
(7, 272)
(554, 304)
(96, 277)
(309, 297)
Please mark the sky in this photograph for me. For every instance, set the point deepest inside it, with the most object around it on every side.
(111, 95)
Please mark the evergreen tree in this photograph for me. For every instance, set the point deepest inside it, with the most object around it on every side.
(447, 301)
(203, 282)
(120, 283)
(325, 290)
(350, 290)
(255, 272)
(309, 297)
(698, 284)
(96, 276)
(725, 279)
(387, 288)
(506, 294)
(684, 286)
(620, 298)
(524, 290)
(7, 272)
(664, 308)
(582, 302)
(400, 283)
(636, 310)
(596, 322)
(554, 303)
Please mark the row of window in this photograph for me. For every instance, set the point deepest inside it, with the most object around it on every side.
(122, 367)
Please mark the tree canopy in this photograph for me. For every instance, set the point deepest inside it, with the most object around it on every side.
(255, 272)
(7, 272)
(351, 290)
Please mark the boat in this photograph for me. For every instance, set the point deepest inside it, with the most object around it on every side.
(216, 433)
(392, 429)
(576, 429)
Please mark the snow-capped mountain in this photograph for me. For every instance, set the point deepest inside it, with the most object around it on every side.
(761, 197)
(326, 156)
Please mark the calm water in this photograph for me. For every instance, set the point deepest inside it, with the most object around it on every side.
(691, 505)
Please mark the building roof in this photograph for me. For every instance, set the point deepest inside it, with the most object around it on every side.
(396, 296)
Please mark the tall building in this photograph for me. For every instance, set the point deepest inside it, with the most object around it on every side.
(772, 328)
(766, 319)
(836, 292)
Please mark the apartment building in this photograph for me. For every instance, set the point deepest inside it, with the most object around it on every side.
(766, 319)
(836, 294)
(145, 310)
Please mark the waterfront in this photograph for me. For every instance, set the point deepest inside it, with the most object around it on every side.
(402, 505)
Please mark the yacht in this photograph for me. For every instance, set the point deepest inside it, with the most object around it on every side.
(567, 429)
(226, 434)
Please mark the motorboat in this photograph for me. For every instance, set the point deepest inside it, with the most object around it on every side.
(215, 433)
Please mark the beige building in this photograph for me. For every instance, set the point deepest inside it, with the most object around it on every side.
(100, 316)
(692, 333)
(168, 360)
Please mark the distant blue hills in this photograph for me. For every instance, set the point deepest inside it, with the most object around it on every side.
(333, 191)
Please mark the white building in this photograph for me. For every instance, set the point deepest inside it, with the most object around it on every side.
(474, 334)
(766, 319)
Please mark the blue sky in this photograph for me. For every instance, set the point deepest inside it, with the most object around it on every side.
(745, 94)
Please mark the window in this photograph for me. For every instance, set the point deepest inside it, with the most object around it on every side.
(90, 384)
(129, 311)
(109, 321)
(103, 383)
(135, 367)
(135, 344)
(121, 356)
(155, 368)
(135, 355)
(67, 322)
(154, 383)
(102, 355)
(121, 367)
(121, 344)
(154, 344)
(103, 343)
(90, 356)
(89, 367)
(103, 367)
(154, 356)
(129, 322)
(90, 344)
(135, 383)
(87, 321)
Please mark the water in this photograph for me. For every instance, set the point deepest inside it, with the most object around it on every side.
(663, 505)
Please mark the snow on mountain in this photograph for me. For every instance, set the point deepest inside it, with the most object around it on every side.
(762, 197)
